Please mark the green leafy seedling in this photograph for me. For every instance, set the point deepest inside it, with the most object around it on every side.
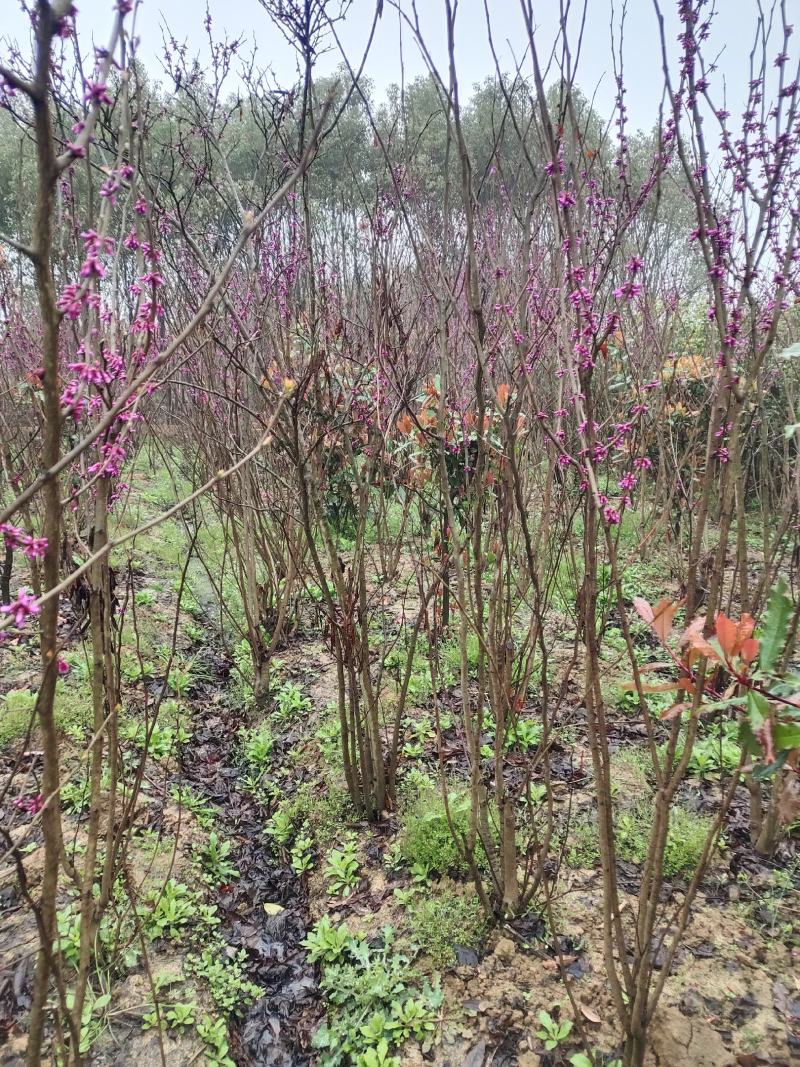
(553, 1032)
(342, 870)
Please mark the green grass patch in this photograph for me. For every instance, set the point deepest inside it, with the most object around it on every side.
(425, 837)
(684, 846)
(450, 917)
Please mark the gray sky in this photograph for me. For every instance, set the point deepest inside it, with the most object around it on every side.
(732, 38)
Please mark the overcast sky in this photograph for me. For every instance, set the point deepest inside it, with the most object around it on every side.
(732, 39)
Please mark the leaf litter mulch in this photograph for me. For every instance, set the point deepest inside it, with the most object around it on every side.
(265, 911)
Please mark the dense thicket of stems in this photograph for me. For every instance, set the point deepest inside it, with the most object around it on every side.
(487, 351)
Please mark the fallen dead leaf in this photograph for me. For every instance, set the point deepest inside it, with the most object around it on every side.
(590, 1015)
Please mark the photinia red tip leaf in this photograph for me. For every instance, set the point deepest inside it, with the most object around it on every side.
(644, 609)
(749, 649)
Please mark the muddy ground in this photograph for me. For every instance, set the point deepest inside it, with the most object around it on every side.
(732, 998)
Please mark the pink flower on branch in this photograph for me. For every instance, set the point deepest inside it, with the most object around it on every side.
(12, 535)
(24, 606)
(32, 804)
(96, 93)
(34, 547)
(71, 301)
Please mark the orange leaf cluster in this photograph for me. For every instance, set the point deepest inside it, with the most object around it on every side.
(659, 618)
(734, 644)
(734, 639)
